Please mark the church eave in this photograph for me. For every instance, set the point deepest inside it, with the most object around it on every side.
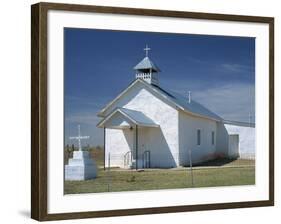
(200, 115)
(134, 121)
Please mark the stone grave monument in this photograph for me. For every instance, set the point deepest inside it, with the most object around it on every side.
(81, 166)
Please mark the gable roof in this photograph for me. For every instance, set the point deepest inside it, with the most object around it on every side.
(176, 99)
(134, 116)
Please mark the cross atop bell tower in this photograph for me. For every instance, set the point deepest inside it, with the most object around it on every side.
(146, 50)
(147, 70)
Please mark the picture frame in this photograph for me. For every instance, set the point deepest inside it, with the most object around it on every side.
(40, 155)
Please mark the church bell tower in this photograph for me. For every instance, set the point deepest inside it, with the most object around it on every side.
(147, 70)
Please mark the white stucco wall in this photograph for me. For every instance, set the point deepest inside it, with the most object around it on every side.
(188, 126)
(161, 142)
(117, 143)
(246, 140)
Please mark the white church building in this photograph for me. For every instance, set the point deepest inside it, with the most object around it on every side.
(147, 126)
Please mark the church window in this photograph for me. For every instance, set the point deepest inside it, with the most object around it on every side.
(213, 137)
(198, 137)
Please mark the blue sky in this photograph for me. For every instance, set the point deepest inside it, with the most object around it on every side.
(98, 65)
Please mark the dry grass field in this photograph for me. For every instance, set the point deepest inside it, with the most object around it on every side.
(153, 179)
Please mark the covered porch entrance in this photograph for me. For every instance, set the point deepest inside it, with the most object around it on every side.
(134, 127)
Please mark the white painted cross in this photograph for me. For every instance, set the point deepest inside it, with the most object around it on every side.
(79, 137)
(146, 50)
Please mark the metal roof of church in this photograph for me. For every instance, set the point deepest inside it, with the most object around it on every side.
(193, 106)
(146, 63)
(137, 117)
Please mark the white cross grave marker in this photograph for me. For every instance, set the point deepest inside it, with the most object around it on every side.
(79, 137)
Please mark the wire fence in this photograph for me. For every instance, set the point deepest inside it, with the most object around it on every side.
(124, 172)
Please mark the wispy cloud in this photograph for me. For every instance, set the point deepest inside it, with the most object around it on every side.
(238, 68)
(222, 66)
(93, 102)
(231, 101)
(83, 118)
(195, 60)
